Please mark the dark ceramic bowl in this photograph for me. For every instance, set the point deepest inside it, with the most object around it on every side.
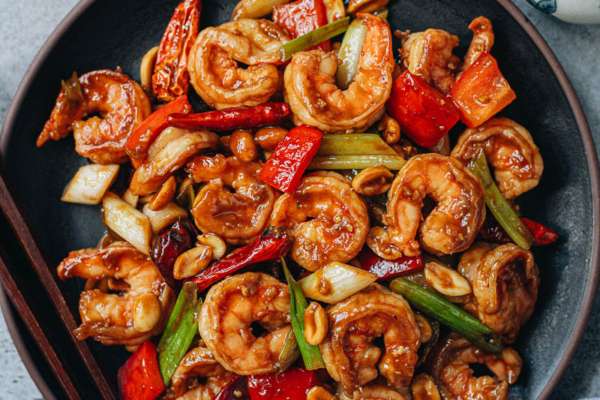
(117, 33)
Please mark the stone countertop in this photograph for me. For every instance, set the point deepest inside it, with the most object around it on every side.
(577, 48)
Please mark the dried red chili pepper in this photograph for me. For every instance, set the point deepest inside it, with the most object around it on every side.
(289, 385)
(387, 269)
(491, 231)
(229, 119)
(270, 246)
(139, 378)
(290, 159)
(169, 244)
(140, 140)
(171, 78)
(302, 16)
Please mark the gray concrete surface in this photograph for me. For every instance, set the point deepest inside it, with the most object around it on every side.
(27, 23)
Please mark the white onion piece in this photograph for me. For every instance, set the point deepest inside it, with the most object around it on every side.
(127, 222)
(130, 198)
(335, 282)
(90, 183)
(165, 217)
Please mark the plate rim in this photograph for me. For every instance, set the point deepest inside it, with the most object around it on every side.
(563, 80)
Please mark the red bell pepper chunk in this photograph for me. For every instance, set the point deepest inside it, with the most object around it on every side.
(140, 140)
(424, 114)
(481, 92)
(289, 385)
(139, 378)
(388, 269)
(491, 231)
(236, 389)
(291, 157)
(301, 17)
(273, 244)
(232, 118)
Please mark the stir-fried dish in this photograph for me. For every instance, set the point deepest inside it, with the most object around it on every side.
(298, 206)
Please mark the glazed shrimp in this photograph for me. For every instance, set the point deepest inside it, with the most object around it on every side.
(509, 149)
(482, 42)
(231, 306)
(429, 55)
(138, 313)
(120, 101)
(327, 219)
(455, 379)
(213, 64)
(505, 282)
(315, 99)
(452, 225)
(168, 153)
(349, 355)
(198, 363)
(238, 217)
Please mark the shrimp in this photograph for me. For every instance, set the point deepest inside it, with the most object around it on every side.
(455, 379)
(423, 388)
(197, 364)
(138, 313)
(452, 225)
(230, 309)
(349, 355)
(168, 153)
(429, 55)
(213, 63)
(238, 218)
(122, 104)
(310, 88)
(483, 40)
(505, 282)
(509, 149)
(327, 219)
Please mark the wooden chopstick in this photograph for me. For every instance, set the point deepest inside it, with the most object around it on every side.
(49, 280)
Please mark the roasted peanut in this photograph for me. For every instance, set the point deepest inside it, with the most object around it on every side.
(217, 244)
(390, 129)
(316, 324)
(365, 6)
(242, 145)
(405, 149)
(335, 10)
(424, 328)
(446, 280)
(147, 312)
(192, 262)
(373, 181)
(423, 388)
(164, 195)
(147, 69)
(319, 393)
(268, 138)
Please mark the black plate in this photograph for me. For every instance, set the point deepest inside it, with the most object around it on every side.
(117, 33)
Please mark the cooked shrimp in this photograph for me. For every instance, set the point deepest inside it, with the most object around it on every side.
(423, 388)
(238, 217)
(311, 90)
(452, 225)
(509, 149)
(373, 392)
(168, 153)
(227, 315)
(429, 55)
(213, 64)
(120, 101)
(505, 282)
(327, 219)
(138, 313)
(349, 355)
(198, 363)
(455, 379)
(482, 42)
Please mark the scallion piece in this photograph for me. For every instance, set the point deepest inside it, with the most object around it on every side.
(448, 314)
(497, 204)
(349, 53)
(394, 163)
(180, 331)
(313, 38)
(310, 354)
